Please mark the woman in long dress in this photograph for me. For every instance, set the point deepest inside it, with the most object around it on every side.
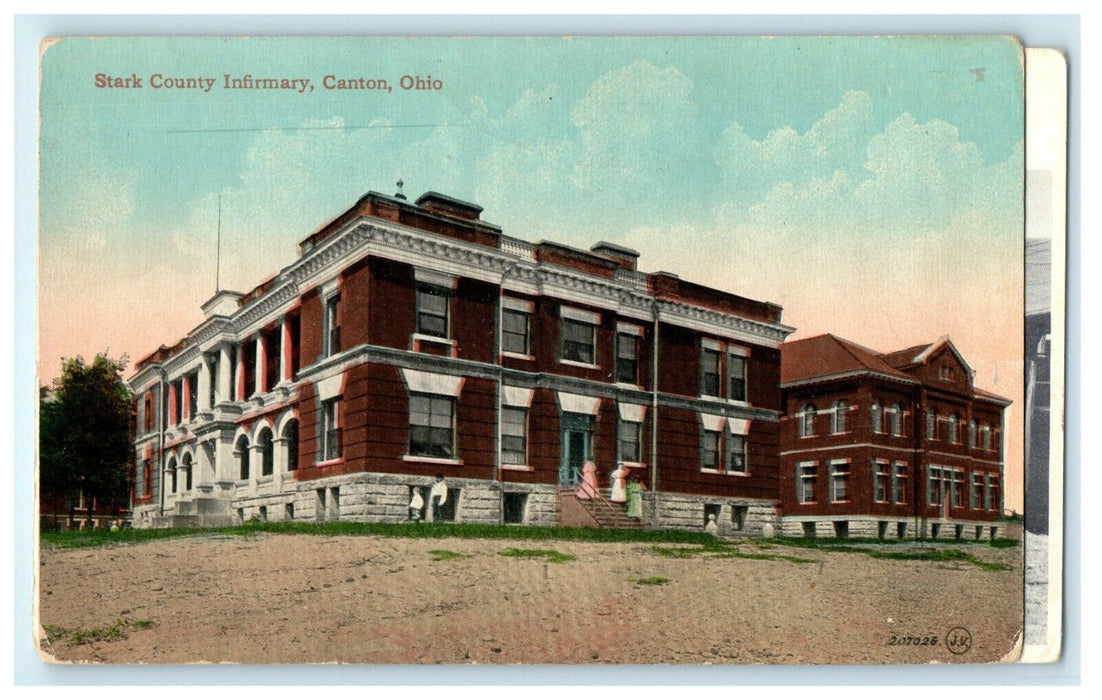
(588, 487)
(619, 492)
(635, 490)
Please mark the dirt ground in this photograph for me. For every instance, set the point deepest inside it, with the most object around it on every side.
(300, 598)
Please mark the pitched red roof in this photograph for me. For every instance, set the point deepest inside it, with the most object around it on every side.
(906, 356)
(827, 356)
(988, 395)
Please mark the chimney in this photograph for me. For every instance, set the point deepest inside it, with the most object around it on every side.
(627, 258)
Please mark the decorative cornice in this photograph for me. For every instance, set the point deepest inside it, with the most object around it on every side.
(265, 305)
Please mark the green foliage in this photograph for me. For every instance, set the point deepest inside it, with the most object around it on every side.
(650, 581)
(84, 432)
(724, 552)
(552, 556)
(114, 632)
(444, 555)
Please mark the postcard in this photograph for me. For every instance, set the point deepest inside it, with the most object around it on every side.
(667, 350)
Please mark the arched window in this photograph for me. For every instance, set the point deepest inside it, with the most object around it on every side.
(931, 424)
(172, 474)
(186, 463)
(807, 421)
(267, 452)
(972, 435)
(877, 414)
(953, 428)
(897, 420)
(838, 417)
(290, 437)
(242, 452)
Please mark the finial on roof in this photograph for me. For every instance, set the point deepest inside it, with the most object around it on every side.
(400, 194)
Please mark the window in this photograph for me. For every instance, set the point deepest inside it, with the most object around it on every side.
(147, 477)
(290, 437)
(956, 497)
(172, 474)
(192, 394)
(332, 330)
(432, 311)
(899, 483)
(839, 480)
(897, 420)
(630, 441)
(931, 424)
(709, 450)
(242, 450)
(882, 475)
(578, 341)
(953, 429)
(267, 452)
(330, 431)
(972, 435)
(933, 486)
(736, 377)
(431, 426)
(514, 435)
(805, 484)
(989, 491)
(514, 507)
(807, 420)
(736, 453)
(876, 414)
(975, 491)
(213, 391)
(838, 417)
(709, 372)
(627, 358)
(150, 417)
(178, 402)
(187, 472)
(515, 329)
(985, 433)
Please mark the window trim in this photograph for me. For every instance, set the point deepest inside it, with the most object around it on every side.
(527, 336)
(737, 357)
(806, 416)
(523, 410)
(807, 474)
(705, 350)
(882, 480)
(327, 430)
(633, 340)
(838, 417)
(839, 468)
(445, 293)
(620, 458)
(563, 359)
(331, 325)
(452, 401)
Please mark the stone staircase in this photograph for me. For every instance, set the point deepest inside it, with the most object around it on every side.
(596, 511)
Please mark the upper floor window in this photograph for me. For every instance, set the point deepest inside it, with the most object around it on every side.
(332, 326)
(971, 434)
(931, 424)
(736, 377)
(516, 327)
(330, 430)
(150, 416)
(627, 358)
(630, 441)
(579, 341)
(975, 491)
(897, 420)
(985, 433)
(432, 426)
(882, 474)
(953, 429)
(192, 394)
(838, 417)
(839, 481)
(242, 451)
(990, 492)
(736, 453)
(267, 452)
(899, 483)
(514, 435)
(709, 450)
(876, 417)
(432, 311)
(956, 495)
(807, 421)
(709, 372)
(805, 482)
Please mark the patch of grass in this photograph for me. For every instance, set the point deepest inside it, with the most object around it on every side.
(735, 554)
(1003, 543)
(118, 630)
(100, 538)
(852, 547)
(848, 543)
(650, 581)
(677, 552)
(552, 556)
(445, 554)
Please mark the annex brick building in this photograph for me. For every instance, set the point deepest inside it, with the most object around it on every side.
(409, 340)
(887, 445)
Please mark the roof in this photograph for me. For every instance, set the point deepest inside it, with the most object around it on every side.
(830, 356)
(906, 356)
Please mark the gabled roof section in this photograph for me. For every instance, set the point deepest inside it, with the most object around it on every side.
(919, 354)
(826, 356)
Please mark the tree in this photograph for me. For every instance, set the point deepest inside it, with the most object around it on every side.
(84, 433)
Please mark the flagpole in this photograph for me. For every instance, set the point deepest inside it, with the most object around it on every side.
(218, 250)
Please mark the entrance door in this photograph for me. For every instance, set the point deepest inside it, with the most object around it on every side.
(576, 438)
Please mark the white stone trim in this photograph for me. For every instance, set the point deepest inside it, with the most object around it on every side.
(429, 383)
(330, 387)
(573, 314)
(738, 350)
(738, 426)
(516, 396)
(514, 304)
(632, 412)
(330, 287)
(712, 422)
(629, 329)
(576, 403)
(436, 279)
(709, 344)
(259, 425)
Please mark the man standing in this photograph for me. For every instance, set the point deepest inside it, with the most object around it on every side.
(438, 496)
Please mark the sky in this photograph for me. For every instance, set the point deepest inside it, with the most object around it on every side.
(871, 186)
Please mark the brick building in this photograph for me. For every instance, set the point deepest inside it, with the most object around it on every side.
(409, 340)
(889, 445)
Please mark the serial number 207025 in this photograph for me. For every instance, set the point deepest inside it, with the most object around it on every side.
(907, 640)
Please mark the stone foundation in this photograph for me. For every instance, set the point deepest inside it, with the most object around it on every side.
(885, 528)
(735, 516)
